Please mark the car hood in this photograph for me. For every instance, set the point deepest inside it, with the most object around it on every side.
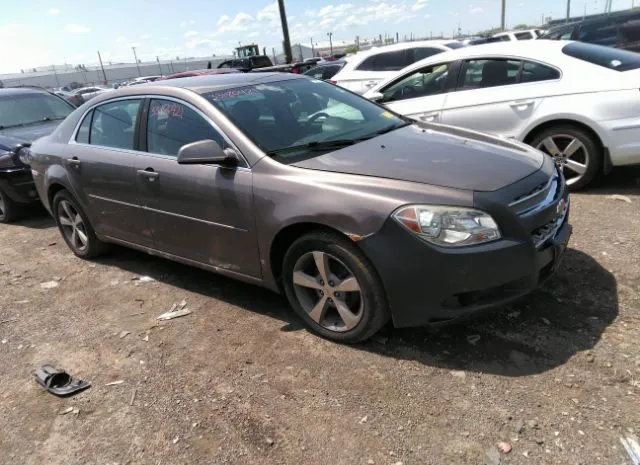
(437, 155)
(28, 133)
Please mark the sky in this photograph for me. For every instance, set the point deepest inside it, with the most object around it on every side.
(46, 32)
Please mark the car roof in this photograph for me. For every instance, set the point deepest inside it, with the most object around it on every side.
(11, 91)
(403, 46)
(210, 82)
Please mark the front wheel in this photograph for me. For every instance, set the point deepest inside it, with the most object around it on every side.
(335, 290)
(8, 208)
(575, 150)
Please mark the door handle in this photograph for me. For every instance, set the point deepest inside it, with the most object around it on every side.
(149, 173)
(522, 103)
(74, 162)
(428, 118)
(371, 84)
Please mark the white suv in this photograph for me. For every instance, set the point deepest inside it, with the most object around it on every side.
(366, 69)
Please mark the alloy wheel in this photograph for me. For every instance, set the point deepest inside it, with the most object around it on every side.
(328, 291)
(569, 153)
(72, 226)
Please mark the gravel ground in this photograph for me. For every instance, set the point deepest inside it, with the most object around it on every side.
(557, 376)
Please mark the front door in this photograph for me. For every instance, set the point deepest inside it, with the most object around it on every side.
(419, 94)
(102, 171)
(202, 213)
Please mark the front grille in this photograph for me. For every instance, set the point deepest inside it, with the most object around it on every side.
(539, 197)
(547, 231)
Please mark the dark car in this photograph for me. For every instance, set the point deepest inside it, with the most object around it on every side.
(25, 115)
(326, 71)
(356, 214)
(619, 30)
(248, 63)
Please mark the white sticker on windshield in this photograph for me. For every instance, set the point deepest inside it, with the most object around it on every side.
(615, 63)
(315, 81)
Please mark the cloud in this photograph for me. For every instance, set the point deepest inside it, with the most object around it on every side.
(254, 34)
(54, 11)
(202, 43)
(133, 44)
(327, 22)
(76, 29)
(419, 5)
(187, 23)
(476, 10)
(146, 36)
(121, 39)
(269, 13)
(240, 23)
(191, 33)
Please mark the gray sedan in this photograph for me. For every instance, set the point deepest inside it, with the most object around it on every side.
(357, 214)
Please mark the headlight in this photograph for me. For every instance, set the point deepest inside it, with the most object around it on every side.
(448, 226)
(24, 155)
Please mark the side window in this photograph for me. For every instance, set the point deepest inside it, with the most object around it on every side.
(600, 34)
(534, 72)
(330, 71)
(113, 124)
(421, 83)
(423, 52)
(476, 74)
(82, 137)
(316, 73)
(524, 35)
(389, 61)
(170, 125)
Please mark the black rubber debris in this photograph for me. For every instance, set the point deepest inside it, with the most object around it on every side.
(59, 382)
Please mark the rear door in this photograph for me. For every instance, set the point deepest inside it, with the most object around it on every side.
(499, 95)
(202, 213)
(102, 172)
(419, 94)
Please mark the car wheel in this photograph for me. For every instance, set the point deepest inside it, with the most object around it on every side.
(575, 150)
(8, 208)
(75, 227)
(333, 287)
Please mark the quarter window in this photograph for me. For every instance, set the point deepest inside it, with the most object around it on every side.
(83, 131)
(535, 72)
(113, 124)
(422, 83)
(170, 125)
(524, 35)
(476, 74)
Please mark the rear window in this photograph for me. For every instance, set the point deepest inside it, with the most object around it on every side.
(612, 58)
(388, 61)
(524, 36)
(454, 45)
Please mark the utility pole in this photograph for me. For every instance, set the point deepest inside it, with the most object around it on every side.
(104, 75)
(313, 53)
(159, 66)
(136, 58)
(503, 19)
(330, 34)
(568, 10)
(285, 31)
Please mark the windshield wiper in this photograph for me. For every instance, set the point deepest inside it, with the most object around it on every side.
(19, 125)
(318, 145)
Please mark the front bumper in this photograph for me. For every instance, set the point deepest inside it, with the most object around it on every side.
(427, 284)
(18, 185)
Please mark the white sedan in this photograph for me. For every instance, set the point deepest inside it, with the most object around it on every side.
(575, 101)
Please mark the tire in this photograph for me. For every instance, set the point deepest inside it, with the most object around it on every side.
(345, 262)
(9, 210)
(589, 152)
(69, 217)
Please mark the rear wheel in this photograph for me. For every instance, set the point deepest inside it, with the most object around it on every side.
(334, 288)
(75, 227)
(574, 149)
(8, 208)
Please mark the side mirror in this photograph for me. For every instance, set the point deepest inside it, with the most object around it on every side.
(207, 152)
(375, 96)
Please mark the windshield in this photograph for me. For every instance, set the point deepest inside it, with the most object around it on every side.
(302, 116)
(19, 110)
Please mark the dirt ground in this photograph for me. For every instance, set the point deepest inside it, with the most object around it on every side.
(239, 381)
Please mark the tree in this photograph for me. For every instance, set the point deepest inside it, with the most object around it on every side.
(351, 49)
(525, 26)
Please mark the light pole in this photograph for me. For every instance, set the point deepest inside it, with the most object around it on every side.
(504, 14)
(330, 43)
(568, 10)
(136, 58)
(285, 32)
